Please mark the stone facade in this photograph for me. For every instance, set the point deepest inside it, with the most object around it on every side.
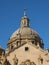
(25, 47)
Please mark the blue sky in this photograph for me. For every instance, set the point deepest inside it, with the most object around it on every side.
(11, 12)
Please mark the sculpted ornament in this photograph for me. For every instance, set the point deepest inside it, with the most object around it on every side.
(40, 60)
(27, 62)
(4, 60)
(15, 60)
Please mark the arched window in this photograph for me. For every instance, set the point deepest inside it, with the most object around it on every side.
(18, 43)
(33, 42)
(12, 47)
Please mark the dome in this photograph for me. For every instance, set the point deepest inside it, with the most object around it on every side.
(26, 31)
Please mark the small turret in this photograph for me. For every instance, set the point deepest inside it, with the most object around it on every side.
(25, 20)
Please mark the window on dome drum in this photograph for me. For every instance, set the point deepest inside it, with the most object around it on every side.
(26, 48)
(18, 43)
(12, 47)
(33, 42)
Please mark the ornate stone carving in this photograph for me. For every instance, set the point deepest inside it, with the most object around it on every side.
(32, 63)
(40, 60)
(15, 60)
(4, 60)
(27, 62)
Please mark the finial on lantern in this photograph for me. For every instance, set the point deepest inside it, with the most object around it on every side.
(24, 11)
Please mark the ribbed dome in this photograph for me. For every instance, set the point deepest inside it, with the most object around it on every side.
(26, 31)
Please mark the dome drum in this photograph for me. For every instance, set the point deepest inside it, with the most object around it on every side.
(22, 40)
